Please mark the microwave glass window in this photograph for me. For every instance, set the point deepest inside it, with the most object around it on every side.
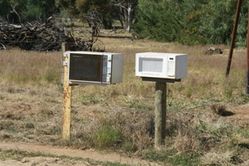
(150, 65)
(85, 67)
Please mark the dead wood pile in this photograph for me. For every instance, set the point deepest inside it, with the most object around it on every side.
(39, 36)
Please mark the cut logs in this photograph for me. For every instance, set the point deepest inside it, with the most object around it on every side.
(39, 36)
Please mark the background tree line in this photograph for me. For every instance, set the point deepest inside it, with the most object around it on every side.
(190, 21)
(185, 21)
(18, 11)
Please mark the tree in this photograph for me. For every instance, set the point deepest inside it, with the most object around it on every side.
(11, 10)
(40, 9)
(190, 21)
(102, 7)
(4, 8)
(217, 22)
(107, 10)
(17, 11)
(126, 12)
(68, 6)
(158, 19)
(192, 13)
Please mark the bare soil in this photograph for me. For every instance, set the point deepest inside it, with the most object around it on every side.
(241, 115)
(42, 161)
(66, 152)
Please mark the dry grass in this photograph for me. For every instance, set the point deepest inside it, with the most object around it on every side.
(213, 158)
(205, 75)
(31, 100)
(22, 67)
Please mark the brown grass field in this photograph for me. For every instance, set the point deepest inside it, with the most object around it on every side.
(120, 117)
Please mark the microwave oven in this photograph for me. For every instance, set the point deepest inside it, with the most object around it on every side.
(161, 65)
(94, 67)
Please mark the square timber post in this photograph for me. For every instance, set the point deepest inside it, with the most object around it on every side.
(160, 114)
(67, 98)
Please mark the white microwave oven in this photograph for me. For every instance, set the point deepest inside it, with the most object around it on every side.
(161, 65)
(94, 67)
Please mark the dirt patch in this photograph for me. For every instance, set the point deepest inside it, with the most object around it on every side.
(73, 153)
(42, 161)
(241, 115)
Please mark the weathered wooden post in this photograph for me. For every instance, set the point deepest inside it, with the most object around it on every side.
(67, 98)
(234, 35)
(160, 114)
(247, 56)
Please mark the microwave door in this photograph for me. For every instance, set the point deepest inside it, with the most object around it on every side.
(85, 67)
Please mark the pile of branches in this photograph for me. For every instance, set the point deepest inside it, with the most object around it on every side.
(39, 36)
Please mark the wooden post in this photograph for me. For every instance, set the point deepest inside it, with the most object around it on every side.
(234, 33)
(247, 57)
(160, 114)
(67, 99)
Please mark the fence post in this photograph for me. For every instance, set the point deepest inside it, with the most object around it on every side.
(247, 52)
(160, 114)
(234, 34)
(67, 99)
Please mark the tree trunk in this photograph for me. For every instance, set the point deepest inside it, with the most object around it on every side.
(128, 24)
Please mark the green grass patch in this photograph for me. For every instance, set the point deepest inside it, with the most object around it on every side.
(107, 136)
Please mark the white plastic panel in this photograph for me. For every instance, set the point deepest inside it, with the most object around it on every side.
(171, 66)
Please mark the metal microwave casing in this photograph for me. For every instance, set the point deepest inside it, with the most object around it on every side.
(109, 67)
(161, 65)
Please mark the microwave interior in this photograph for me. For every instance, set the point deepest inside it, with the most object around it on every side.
(85, 67)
